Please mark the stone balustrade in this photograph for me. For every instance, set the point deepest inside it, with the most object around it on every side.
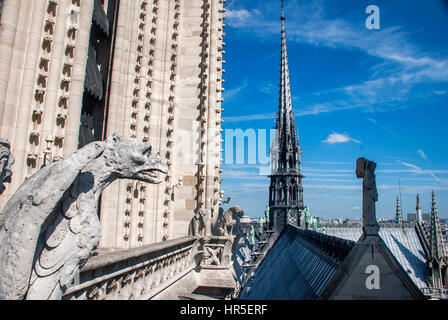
(133, 274)
(144, 272)
(214, 252)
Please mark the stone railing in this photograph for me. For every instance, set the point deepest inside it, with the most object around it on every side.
(134, 274)
(214, 252)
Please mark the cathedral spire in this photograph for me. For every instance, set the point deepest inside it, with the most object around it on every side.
(287, 137)
(436, 240)
(285, 191)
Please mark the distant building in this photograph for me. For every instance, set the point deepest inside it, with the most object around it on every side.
(411, 217)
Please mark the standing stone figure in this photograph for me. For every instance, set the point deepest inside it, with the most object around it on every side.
(307, 219)
(266, 216)
(365, 169)
(260, 222)
(6, 161)
(198, 222)
(252, 235)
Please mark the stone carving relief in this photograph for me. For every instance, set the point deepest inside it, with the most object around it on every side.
(56, 208)
(213, 252)
(6, 161)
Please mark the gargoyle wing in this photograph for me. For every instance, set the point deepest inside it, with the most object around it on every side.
(29, 211)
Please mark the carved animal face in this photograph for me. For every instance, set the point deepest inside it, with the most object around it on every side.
(237, 212)
(135, 160)
(6, 161)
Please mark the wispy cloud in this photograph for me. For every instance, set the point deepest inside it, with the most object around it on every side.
(422, 154)
(339, 138)
(232, 93)
(399, 77)
(380, 125)
(415, 168)
(314, 109)
(249, 117)
(238, 17)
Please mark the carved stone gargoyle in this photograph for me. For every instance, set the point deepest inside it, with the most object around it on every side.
(50, 226)
(228, 220)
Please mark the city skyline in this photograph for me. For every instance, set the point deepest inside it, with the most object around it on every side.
(356, 92)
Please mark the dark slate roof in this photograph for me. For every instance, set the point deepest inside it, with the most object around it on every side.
(297, 267)
(402, 242)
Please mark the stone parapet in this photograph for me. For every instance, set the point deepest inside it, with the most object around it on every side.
(131, 274)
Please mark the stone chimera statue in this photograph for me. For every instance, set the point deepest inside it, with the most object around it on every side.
(50, 226)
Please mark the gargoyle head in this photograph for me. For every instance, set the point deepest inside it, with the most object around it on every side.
(6, 161)
(134, 160)
(237, 211)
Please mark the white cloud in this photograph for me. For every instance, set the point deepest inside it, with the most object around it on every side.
(339, 138)
(422, 154)
(238, 17)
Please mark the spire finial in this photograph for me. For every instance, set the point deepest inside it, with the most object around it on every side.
(283, 13)
(436, 240)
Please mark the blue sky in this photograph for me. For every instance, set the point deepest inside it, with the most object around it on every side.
(381, 94)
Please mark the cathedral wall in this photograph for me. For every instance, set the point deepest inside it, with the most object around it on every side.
(165, 88)
(168, 74)
(42, 62)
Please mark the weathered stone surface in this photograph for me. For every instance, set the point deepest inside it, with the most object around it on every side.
(50, 226)
(6, 161)
(228, 220)
(198, 223)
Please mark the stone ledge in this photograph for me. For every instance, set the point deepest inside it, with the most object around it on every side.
(105, 259)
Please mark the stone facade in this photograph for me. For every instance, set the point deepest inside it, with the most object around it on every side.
(162, 83)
